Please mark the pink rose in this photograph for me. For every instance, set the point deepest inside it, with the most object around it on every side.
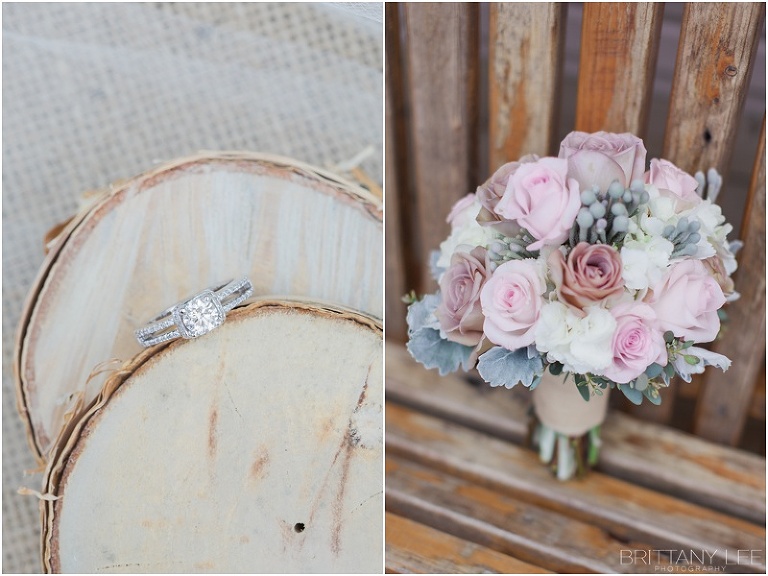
(673, 182)
(462, 212)
(459, 312)
(637, 343)
(540, 198)
(603, 157)
(686, 302)
(591, 274)
(511, 300)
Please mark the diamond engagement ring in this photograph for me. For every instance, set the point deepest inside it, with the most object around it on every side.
(197, 315)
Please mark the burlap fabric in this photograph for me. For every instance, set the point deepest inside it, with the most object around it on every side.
(94, 93)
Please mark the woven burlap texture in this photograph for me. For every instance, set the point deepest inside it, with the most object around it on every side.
(95, 93)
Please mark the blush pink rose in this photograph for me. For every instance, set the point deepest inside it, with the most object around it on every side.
(543, 200)
(462, 212)
(637, 343)
(603, 157)
(591, 274)
(673, 182)
(459, 313)
(686, 302)
(511, 301)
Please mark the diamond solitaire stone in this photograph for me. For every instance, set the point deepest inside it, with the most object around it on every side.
(199, 315)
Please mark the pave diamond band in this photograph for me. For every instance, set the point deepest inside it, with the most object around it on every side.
(197, 315)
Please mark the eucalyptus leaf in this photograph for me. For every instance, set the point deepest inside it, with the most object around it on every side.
(634, 395)
(653, 370)
(641, 383)
(555, 368)
(502, 367)
(653, 395)
(584, 391)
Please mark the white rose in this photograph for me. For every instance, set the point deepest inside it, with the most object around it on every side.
(644, 261)
(581, 344)
(466, 234)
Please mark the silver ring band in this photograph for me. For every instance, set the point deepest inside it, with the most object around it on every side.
(197, 315)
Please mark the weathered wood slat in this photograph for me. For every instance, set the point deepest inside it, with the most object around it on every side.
(619, 45)
(442, 48)
(525, 62)
(724, 479)
(724, 402)
(714, 65)
(412, 547)
(504, 523)
(395, 166)
(625, 510)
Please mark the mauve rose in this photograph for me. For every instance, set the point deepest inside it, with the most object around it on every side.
(673, 182)
(490, 192)
(637, 343)
(591, 274)
(603, 157)
(511, 300)
(686, 302)
(459, 312)
(543, 200)
(462, 212)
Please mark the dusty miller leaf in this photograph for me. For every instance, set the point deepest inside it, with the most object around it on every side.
(428, 348)
(502, 367)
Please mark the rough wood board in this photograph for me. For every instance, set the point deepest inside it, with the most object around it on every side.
(396, 166)
(723, 405)
(714, 64)
(509, 525)
(625, 510)
(525, 62)
(442, 51)
(151, 241)
(619, 46)
(413, 547)
(728, 480)
(255, 448)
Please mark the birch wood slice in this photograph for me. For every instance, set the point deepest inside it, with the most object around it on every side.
(293, 229)
(256, 448)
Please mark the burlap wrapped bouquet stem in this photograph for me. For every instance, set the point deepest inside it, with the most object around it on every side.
(255, 448)
(146, 243)
(559, 406)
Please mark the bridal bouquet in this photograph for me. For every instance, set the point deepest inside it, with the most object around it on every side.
(588, 266)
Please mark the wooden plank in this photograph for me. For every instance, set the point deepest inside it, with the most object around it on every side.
(619, 45)
(509, 525)
(395, 175)
(723, 405)
(714, 64)
(625, 510)
(727, 480)
(442, 49)
(525, 62)
(412, 547)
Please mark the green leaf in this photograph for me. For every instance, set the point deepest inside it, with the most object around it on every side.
(669, 336)
(692, 360)
(653, 395)
(555, 368)
(632, 394)
(687, 344)
(502, 367)
(641, 383)
(584, 391)
(653, 370)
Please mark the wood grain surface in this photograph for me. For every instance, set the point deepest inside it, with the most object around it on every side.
(724, 402)
(619, 46)
(525, 66)
(624, 510)
(256, 448)
(396, 170)
(442, 50)
(714, 65)
(727, 480)
(414, 547)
